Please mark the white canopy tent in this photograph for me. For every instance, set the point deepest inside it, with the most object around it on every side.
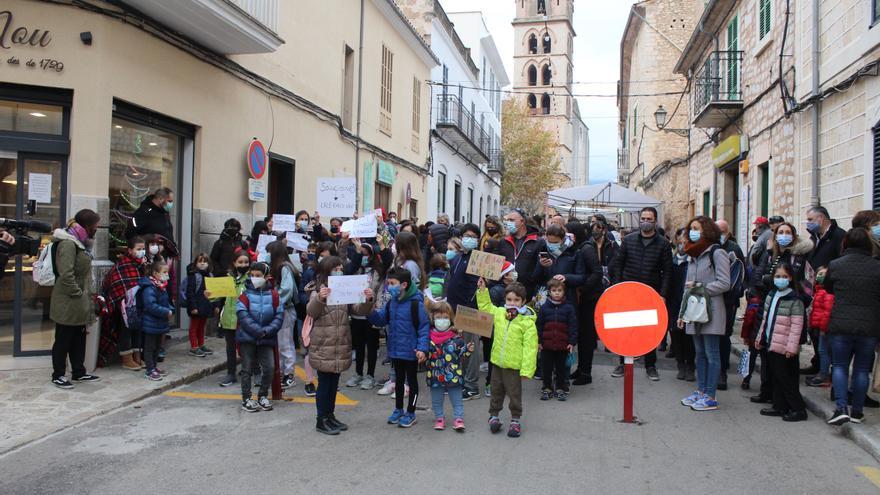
(610, 199)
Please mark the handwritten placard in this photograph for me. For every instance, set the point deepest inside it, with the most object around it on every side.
(264, 241)
(220, 287)
(283, 223)
(474, 321)
(486, 265)
(337, 196)
(347, 289)
(297, 241)
(363, 228)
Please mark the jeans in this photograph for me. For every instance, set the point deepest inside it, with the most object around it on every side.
(824, 355)
(861, 351)
(285, 342)
(251, 355)
(471, 364)
(708, 362)
(152, 344)
(197, 331)
(70, 341)
(325, 397)
(406, 371)
(229, 336)
(786, 379)
(364, 340)
(554, 362)
(455, 399)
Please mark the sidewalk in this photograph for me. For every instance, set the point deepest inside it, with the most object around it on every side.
(35, 408)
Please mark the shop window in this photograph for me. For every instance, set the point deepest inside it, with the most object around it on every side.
(533, 75)
(18, 116)
(383, 196)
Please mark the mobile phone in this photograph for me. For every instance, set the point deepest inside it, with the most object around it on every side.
(544, 254)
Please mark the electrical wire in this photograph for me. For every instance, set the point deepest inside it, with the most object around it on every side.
(538, 90)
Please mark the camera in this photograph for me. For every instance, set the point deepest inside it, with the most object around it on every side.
(24, 244)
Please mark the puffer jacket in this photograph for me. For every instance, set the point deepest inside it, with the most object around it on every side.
(197, 303)
(570, 264)
(71, 300)
(853, 280)
(515, 344)
(636, 262)
(448, 349)
(155, 309)
(330, 346)
(260, 314)
(820, 314)
(594, 272)
(440, 235)
(228, 316)
(787, 324)
(405, 336)
(557, 325)
(795, 255)
(715, 278)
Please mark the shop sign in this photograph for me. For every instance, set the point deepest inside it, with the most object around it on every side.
(13, 36)
(386, 173)
(728, 150)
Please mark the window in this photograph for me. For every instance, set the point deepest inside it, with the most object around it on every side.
(533, 104)
(385, 98)
(765, 18)
(347, 87)
(764, 178)
(470, 212)
(542, 7)
(635, 120)
(533, 44)
(441, 192)
(875, 13)
(456, 201)
(732, 61)
(19, 116)
(416, 113)
(383, 196)
(545, 104)
(413, 208)
(533, 75)
(546, 75)
(547, 42)
(707, 203)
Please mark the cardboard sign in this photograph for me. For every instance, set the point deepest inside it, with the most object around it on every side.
(264, 241)
(347, 289)
(297, 241)
(220, 287)
(337, 196)
(485, 265)
(474, 321)
(283, 223)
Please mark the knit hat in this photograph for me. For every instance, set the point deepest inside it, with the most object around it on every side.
(506, 268)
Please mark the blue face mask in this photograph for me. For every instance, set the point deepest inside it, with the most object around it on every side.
(469, 243)
(510, 225)
(365, 261)
(694, 235)
(303, 224)
(875, 232)
(554, 247)
(394, 291)
(812, 227)
(723, 238)
(781, 283)
(451, 254)
(784, 240)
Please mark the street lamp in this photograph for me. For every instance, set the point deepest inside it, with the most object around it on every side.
(660, 117)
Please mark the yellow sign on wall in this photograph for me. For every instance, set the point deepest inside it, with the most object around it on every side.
(727, 151)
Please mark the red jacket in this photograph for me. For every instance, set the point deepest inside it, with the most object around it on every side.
(822, 304)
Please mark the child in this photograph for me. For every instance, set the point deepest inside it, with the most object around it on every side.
(819, 318)
(260, 314)
(557, 336)
(496, 293)
(437, 277)
(444, 365)
(228, 319)
(780, 333)
(304, 291)
(157, 313)
(124, 275)
(365, 260)
(514, 352)
(198, 305)
(408, 329)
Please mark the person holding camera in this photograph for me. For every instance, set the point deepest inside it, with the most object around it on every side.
(71, 306)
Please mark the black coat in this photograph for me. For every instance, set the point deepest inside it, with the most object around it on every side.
(525, 258)
(593, 270)
(649, 264)
(151, 219)
(223, 252)
(828, 247)
(854, 279)
(568, 263)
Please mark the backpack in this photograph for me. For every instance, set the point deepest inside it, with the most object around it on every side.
(44, 272)
(181, 296)
(133, 309)
(737, 277)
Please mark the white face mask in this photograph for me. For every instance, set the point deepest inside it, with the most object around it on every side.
(140, 253)
(258, 282)
(441, 324)
(154, 249)
(163, 277)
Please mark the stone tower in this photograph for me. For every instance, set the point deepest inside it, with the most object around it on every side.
(543, 69)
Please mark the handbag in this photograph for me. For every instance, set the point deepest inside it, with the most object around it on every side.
(570, 360)
(306, 331)
(696, 306)
(743, 368)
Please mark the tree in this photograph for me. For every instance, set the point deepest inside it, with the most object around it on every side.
(531, 167)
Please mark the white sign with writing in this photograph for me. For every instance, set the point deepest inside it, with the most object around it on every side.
(347, 289)
(364, 227)
(337, 196)
(264, 241)
(256, 190)
(297, 241)
(40, 188)
(283, 223)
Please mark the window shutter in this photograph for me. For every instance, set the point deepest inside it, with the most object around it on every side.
(764, 18)
(877, 168)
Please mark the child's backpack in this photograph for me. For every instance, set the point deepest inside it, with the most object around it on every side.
(133, 309)
(182, 301)
(44, 272)
(437, 284)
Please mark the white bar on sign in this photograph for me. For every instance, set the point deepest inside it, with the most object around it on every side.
(627, 319)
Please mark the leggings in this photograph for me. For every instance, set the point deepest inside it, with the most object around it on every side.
(197, 331)
(405, 371)
(364, 339)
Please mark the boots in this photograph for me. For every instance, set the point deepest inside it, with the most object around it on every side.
(138, 359)
(690, 374)
(324, 426)
(129, 363)
(681, 371)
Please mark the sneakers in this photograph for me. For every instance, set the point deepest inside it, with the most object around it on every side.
(324, 425)
(197, 352)
(86, 378)
(265, 403)
(354, 381)
(691, 399)
(458, 425)
(287, 381)
(161, 371)
(395, 417)
(387, 388)
(311, 390)
(368, 383)
(857, 417)
(546, 394)
(705, 403)
(746, 383)
(153, 375)
(250, 405)
(228, 381)
(407, 420)
(62, 382)
(494, 424)
(484, 367)
(440, 424)
(562, 395)
(470, 394)
(488, 391)
(839, 417)
(652, 374)
(206, 350)
(515, 430)
(618, 371)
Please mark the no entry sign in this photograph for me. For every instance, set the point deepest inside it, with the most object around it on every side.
(256, 159)
(631, 318)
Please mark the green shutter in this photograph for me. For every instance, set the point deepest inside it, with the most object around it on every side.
(732, 60)
(764, 18)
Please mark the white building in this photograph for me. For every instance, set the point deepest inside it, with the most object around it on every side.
(579, 169)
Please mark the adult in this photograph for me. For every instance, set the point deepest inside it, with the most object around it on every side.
(562, 261)
(391, 224)
(521, 247)
(784, 246)
(492, 229)
(461, 289)
(731, 300)
(556, 219)
(585, 301)
(438, 235)
(682, 343)
(709, 268)
(71, 306)
(311, 226)
(775, 221)
(870, 221)
(853, 327)
(223, 251)
(759, 247)
(644, 257)
(153, 216)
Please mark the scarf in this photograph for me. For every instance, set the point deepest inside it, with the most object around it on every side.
(160, 284)
(695, 249)
(439, 337)
(768, 329)
(78, 231)
(679, 259)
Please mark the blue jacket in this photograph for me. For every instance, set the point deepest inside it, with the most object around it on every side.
(461, 287)
(397, 314)
(260, 323)
(568, 263)
(308, 275)
(557, 325)
(195, 294)
(156, 306)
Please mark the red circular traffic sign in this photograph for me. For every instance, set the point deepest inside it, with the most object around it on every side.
(256, 159)
(631, 318)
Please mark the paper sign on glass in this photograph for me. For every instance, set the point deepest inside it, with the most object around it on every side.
(485, 265)
(283, 223)
(474, 321)
(337, 196)
(364, 228)
(220, 287)
(40, 187)
(264, 241)
(347, 289)
(297, 241)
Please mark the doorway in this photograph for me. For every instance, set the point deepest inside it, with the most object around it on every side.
(282, 181)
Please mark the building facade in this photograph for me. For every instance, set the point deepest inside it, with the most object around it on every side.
(543, 66)
(102, 104)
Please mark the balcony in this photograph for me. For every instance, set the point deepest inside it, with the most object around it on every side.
(718, 96)
(227, 27)
(460, 129)
(496, 161)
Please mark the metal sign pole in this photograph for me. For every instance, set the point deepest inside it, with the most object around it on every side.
(628, 390)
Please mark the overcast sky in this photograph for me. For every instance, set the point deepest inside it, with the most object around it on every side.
(599, 25)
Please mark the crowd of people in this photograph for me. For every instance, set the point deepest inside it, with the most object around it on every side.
(820, 286)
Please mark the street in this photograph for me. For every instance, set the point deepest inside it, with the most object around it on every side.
(192, 440)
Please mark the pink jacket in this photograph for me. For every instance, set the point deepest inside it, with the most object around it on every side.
(788, 324)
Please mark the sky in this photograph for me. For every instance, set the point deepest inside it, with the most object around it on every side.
(599, 26)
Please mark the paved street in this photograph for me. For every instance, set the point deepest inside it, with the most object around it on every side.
(193, 440)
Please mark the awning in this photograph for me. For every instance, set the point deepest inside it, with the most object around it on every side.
(610, 199)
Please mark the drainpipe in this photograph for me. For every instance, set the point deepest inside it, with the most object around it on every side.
(357, 149)
(814, 112)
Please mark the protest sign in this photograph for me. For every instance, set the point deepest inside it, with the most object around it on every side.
(297, 241)
(263, 241)
(220, 287)
(337, 196)
(346, 226)
(474, 321)
(347, 289)
(485, 265)
(363, 228)
(283, 223)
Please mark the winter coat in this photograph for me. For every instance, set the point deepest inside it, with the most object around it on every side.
(196, 302)
(854, 280)
(594, 273)
(155, 307)
(820, 314)
(460, 286)
(557, 325)
(759, 248)
(651, 264)
(330, 346)
(223, 252)
(795, 255)
(608, 251)
(447, 350)
(260, 319)
(405, 336)
(525, 258)
(515, 342)
(716, 280)
(71, 300)
(676, 289)
(228, 316)
(151, 219)
(570, 264)
(287, 288)
(828, 247)
(787, 324)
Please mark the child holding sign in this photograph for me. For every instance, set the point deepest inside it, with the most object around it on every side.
(514, 351)
(444, 365)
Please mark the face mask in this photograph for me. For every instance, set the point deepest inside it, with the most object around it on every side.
(469, 243)
(163, 277)
(202, 266)
(451, 254)
(392, 221)
(365, 261)
(754, 238)
(303, 224)
(598, 235)
(784, 240)
(169, 205)
(310, 256)
(140, 254)
(694, 235)
(510, 225)
(646, 227)
(723, 238)
(394, 290)
(336, 273)
(875, 232)
(781, 283)
(441, 324)
(554, 247)
(491, 230)
(820, 279)
(154, 249)
(241, 270)
(232, 231)
(258, 282)
(334, 230)
(812, 227)
(519, 309)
